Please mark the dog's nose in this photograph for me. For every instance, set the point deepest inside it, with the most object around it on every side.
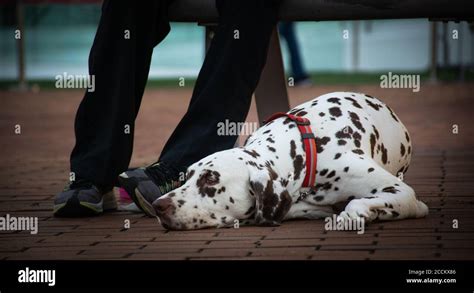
(163, 206)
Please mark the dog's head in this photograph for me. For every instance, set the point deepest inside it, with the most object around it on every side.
(221, 189)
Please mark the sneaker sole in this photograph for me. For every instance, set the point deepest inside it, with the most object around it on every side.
(75, 208)
(129, 184)
(147, 207)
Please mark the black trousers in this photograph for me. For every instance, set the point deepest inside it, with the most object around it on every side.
(223, 89)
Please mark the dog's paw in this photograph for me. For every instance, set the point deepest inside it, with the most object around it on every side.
(356, 210)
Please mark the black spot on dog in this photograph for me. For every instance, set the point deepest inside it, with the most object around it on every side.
(346, 169)
(231, 199)
(358, 151)
(356, 121)
(335, 111)
(321, 114)
(272, 149)
(266, 131)
(337, 179)
(341, 142)
(213, 216)
(181, 202)
(321, 186)
(331, 174)
(253, 164)
(351, 197)
(271, 172)
(370, 170)
(283, 206)
(354, 102)
(323, 172)
(402, 149)
(390, 189)
(269, 139)
(407, 137)
(302, 113)
(345, 132)
(273, 207)
(334, 100)
(318, 198)
(369, 97)
(284, 182)
(395, 214)
(374, 191)
(384, 154)
(171, 194)
(337, 156)
(357, 136)
(292, 149)
(240, 158)
(373, 105)
(298, 164)
(252, 153)
(320, 142)
(409, 151)
(376, 132)
(372, 144)
(357, 143)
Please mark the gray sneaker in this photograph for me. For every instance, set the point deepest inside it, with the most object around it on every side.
(82, 199)
(145, 185)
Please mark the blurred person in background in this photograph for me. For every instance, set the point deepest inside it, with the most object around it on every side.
(299, 74)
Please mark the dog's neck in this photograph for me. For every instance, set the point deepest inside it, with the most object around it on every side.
(281, 159)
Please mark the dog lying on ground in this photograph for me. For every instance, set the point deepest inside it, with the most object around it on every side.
(362, 149)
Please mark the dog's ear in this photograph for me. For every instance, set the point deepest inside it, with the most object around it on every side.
(272, 198)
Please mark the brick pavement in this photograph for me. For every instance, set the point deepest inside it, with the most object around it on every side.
(35, 167)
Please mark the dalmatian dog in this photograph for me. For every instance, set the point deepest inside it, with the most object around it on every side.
(362, 149)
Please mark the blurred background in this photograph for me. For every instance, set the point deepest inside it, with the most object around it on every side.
(57, 38)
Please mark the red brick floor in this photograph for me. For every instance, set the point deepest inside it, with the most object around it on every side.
(35, 167)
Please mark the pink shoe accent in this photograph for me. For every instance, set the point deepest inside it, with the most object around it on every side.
(124, 196)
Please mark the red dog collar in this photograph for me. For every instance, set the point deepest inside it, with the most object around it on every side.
(309, 143)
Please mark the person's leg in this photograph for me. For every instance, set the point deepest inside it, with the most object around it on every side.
(120, 60)
(287, 30)
(104, 126)
(227, 80)
(223, 90)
